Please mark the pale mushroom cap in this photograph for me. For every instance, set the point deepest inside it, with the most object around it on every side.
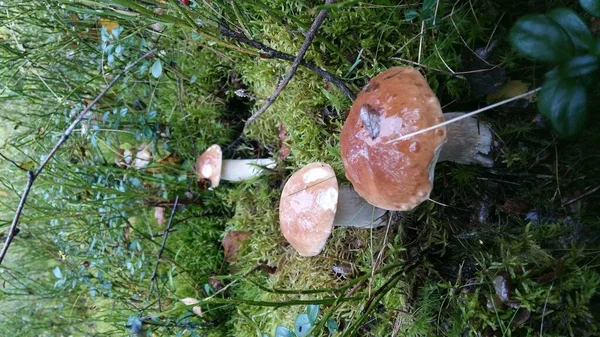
(307, 208)
(399, 175)
(209, 164)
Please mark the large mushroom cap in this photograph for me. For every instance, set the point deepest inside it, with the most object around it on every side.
(307, 208)
(399, 175)
(209, 164)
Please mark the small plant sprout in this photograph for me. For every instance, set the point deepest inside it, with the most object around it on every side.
(398, 175)
(210, 165)
(308, 208)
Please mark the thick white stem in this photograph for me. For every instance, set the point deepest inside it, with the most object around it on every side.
(354, 211)
(244, 169)
(469, 141)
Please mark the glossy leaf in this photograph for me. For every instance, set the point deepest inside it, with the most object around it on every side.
(312, 311)
(540, 38)
(591, 6)
(156, 69)
(302, 325)
(57, 273)
(574, 26)
(282, 331)
(410, 14)
(579, 66)
(332, 325)
(134, 324)
(564, 102)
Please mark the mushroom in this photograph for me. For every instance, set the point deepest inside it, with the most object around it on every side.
(210, 165)
(308, 208)
(398, 175)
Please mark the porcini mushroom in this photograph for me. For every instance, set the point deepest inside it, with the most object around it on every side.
(312, 203)
(210, 165)
(307, 208)
(398, 175)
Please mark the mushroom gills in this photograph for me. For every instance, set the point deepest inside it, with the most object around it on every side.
(354, 211)
(244, 169)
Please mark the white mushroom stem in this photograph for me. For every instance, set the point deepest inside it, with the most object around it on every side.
(469, 141)
(244, 169)
(354, 211)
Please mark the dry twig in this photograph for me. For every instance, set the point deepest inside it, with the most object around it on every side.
(32, 175)
(268, 52)
(310, 35)
(162, 248)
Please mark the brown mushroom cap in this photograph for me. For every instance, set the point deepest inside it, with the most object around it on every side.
(209, 164)
(399, 175)
(307, 208)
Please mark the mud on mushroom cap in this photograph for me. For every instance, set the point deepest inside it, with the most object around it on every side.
(307, 208)
(395, 176)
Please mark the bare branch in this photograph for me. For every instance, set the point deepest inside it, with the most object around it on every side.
(11, 161)
(268, 52)
(32, 176)
(310, 35)
(162, 248)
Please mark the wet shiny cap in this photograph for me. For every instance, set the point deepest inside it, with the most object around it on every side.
(307, 208)
(208, 165)
(399, 175)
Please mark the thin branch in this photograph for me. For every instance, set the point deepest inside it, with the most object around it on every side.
(453, 120)
(312, 32)
(585, 194)
(11, 161)
(32, 176)
(268, 52)
(162, 248)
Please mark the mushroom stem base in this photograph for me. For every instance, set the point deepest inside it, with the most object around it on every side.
(354, 211)
(469, 141)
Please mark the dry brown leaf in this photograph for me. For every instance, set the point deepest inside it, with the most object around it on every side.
(508, 90)
(159, 215)
(189, 301)
(232, 242)
(284, 150)
(142, 157)
(108, 24)
(215, 283)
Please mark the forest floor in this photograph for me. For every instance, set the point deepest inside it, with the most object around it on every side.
(507, 250)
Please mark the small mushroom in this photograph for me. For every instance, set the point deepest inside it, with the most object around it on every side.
(307, 208)
(210, 165)
(312, 203)
(398, 175)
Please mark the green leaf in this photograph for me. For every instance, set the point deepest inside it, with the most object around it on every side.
(57, 272)
(282, 331)
(332, 325)
(302, 325)
(410, 14)
(429, 4)
(591, 6)
(134, 324)
(574, 26)
(564, 102)
(579, 66)
(312, 311)
(156, 69)
(540, 38)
